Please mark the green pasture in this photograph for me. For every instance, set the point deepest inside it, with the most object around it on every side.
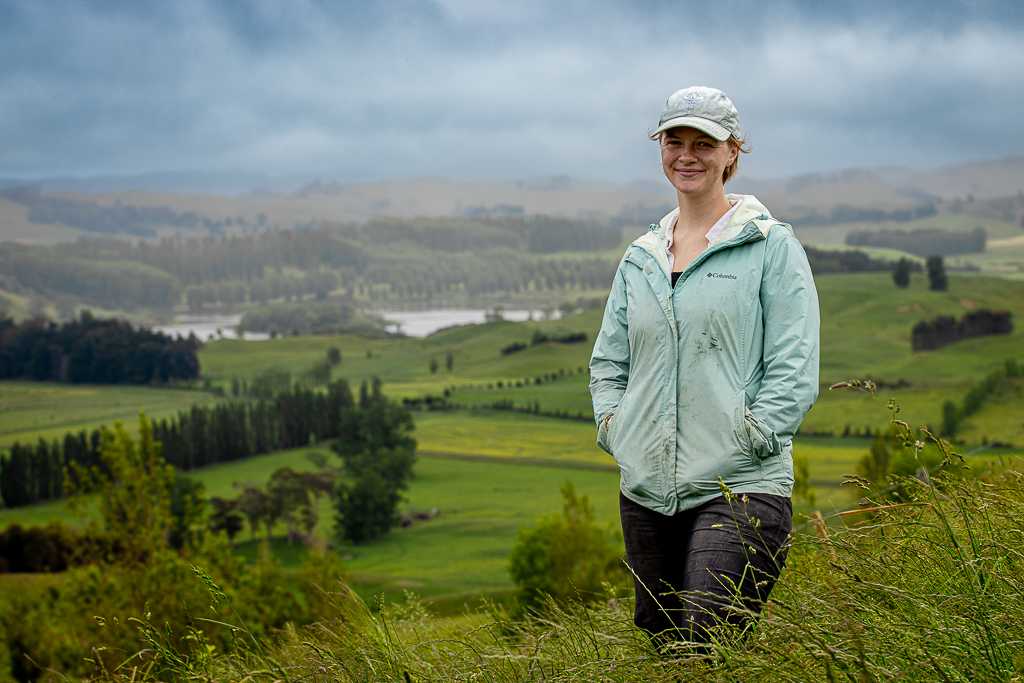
(33, 410)
(866, 324)
(403, 364)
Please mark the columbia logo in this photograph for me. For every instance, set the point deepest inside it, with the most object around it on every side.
(727, 276)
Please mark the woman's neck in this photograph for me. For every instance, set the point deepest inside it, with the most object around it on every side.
(698, 213)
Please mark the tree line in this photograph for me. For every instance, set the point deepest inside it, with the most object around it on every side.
(116, 218)
(272, 286)
(206, 435)
(382, 260)
(847, 261)
(928, 335)
(315, 317)
(94, 350)
(46, 272)
(991, 385)
(245, 257)
(924, 242)
(843, 213)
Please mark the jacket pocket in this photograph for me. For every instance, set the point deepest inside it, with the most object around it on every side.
(759, 437)
(606, 431)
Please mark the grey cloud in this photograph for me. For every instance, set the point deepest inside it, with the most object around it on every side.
(470, 89)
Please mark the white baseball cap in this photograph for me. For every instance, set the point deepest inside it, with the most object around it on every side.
(709, 110)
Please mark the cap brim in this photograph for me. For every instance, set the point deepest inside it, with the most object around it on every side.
(720, 133)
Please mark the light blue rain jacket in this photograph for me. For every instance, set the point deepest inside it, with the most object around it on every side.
(708, 381)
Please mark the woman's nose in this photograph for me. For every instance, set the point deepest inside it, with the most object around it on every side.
(686, 152)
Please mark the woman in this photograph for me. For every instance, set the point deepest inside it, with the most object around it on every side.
(704, 367)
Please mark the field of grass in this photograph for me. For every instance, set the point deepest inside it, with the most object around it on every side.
(33, 410)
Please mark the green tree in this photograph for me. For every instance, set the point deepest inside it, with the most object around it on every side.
(433, 365)
(950, 419)
(134, 487)
(334, 356)
(291, 493)
(254, 503)
(875, 465)
(366, 507)
(937, 280)
(225, 517)
(320, 373)
(901, 273)
(802, 480)
(567, 557)
(188, 512)
(449, 360)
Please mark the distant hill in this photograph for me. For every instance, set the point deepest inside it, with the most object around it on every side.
(866, 194)
(983, 179)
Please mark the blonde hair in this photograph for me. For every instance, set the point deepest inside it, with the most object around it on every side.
(740, 145)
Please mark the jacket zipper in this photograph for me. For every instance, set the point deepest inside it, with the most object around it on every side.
(735, 242)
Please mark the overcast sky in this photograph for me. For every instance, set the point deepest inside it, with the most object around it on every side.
(505, 89)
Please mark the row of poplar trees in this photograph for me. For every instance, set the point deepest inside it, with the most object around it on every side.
(206, 435)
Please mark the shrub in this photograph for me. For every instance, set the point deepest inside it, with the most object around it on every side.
(567, 557)
(512, 348)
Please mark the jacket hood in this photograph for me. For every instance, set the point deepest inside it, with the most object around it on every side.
(747, 209)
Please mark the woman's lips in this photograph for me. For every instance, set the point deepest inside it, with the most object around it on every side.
(692, 173)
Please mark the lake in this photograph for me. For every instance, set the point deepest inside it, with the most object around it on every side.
(412, 323)
(426, 322)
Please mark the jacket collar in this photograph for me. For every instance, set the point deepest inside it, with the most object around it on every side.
(747, 209)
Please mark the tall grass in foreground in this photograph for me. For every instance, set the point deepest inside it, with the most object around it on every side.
(928, 589)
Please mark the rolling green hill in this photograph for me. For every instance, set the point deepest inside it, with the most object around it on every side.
(866, 324)
(33, 410)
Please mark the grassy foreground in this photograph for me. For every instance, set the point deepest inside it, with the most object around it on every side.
(932, 589)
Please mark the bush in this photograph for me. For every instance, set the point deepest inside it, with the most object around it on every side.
(567, 557)
(512, 348)
(141, 601)
(51, 548)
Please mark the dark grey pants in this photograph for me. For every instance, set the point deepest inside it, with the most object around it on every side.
(707, 566)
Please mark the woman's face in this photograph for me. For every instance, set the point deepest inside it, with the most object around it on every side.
(694, 161)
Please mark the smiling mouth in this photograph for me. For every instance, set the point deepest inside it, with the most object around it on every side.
(690, 173)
